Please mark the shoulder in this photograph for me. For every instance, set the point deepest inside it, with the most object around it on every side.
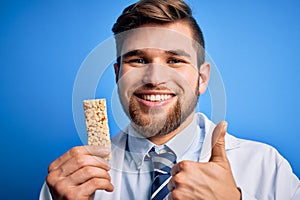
(242, 149)
(250, 149)
(261, 170)
(263, 164)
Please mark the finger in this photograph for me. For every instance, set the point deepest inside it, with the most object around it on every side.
(184, 165)
(81, 161)
(63, 185)
(171, 185)
(175, 169)
(218, 151)
(88, 188)
(79, 150)
(84, 174)
(185, 193)
(83, 191)
(74, 164)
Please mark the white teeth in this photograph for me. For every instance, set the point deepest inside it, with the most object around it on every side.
(152, 98)
(156, 97)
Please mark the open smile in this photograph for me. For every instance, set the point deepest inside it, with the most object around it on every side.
(152, 99)
(155, 97)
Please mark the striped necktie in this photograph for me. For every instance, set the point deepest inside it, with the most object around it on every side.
(162, 163)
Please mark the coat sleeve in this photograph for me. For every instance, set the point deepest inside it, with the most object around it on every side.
(287, 183)
(262, 173)
(45, 193)
(247, 196)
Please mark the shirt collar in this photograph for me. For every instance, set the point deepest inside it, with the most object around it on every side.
(183, 140)
(139, 146)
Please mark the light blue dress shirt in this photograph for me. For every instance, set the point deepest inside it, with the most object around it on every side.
(138, 179)
(258, 169)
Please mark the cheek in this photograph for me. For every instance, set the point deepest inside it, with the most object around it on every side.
(129, 80)
(189, 77)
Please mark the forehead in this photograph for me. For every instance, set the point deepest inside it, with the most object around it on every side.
(174, 36)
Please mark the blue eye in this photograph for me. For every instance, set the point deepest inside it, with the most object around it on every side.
(174, 61)
(139, 60)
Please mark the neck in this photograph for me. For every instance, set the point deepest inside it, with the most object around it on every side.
(162, 139)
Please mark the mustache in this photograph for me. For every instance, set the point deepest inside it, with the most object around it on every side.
(151, 87)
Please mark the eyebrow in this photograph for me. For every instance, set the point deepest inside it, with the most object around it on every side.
(176, 52)
(132, 53)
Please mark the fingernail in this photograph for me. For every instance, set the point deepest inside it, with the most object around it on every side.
(224, 124)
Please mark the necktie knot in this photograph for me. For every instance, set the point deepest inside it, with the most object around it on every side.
(162, 160)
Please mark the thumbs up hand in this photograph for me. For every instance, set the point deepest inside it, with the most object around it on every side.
(210, 180)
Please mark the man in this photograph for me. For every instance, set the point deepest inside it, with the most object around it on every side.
(160, 72)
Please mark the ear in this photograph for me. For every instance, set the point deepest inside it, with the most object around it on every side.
(204, 75)
(116, 67)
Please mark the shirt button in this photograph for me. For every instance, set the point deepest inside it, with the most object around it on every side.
(162, 151)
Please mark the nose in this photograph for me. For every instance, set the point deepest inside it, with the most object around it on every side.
(155, 74)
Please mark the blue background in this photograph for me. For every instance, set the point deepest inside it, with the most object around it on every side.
(255, 45)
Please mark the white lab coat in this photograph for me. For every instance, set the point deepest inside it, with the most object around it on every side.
(258, 169)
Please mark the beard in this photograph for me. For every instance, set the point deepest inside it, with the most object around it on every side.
(158, 121)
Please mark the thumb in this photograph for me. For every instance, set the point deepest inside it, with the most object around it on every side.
(218, 153)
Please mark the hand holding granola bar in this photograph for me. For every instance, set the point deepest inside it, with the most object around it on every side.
(82, 170)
